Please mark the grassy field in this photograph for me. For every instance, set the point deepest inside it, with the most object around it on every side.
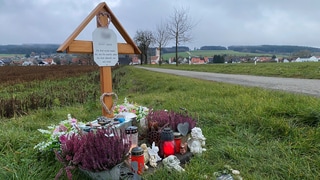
(211, 53)
(25, 88)
(264, 134)
(306, 70)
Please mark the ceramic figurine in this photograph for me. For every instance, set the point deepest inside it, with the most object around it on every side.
(183, 148)
(197, 141)
(153, 161)
(172, 162)
(154, 151)
(146, 155)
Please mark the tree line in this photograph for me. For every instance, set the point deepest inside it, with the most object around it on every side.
(273, 49)
(29, 48)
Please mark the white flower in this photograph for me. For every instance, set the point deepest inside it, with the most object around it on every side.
(51, 127)
(43, 131)
(54, 133)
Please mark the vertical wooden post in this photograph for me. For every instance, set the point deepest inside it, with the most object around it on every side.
(106, 86)
(105, 74)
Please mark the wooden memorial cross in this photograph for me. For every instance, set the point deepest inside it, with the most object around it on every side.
(79, 46)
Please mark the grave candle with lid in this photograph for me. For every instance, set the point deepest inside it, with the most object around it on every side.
(177, 141)
(137, 160)
(167, 142)
(132, 134)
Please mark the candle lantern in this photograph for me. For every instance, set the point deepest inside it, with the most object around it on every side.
(177, 141)
(132, 134)
(137, 160)
(167, 142)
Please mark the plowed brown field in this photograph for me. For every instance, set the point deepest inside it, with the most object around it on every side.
(17, 74)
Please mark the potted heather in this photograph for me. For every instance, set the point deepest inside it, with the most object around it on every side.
(177, 121)
(98, 154)
(170, 119)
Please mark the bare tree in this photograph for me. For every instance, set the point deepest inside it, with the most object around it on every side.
(144, 39)
(161, 38)
(179, 27)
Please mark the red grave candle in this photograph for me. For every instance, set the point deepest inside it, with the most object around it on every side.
(177, 141)
(167, 142)
(137, 157)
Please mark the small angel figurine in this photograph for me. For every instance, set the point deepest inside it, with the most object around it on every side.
(154, 156)
(145, 154)
(197, 141)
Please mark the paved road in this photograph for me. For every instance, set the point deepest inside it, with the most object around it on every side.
(304, 86)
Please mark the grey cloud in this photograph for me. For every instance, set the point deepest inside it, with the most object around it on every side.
(227, 22)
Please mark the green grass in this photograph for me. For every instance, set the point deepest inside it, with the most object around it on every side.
(20, 98)
(307, 70)
(211, 53)
(264, 134)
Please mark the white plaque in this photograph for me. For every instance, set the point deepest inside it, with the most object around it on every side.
(105, 47)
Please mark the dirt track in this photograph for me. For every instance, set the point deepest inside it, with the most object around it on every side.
(304, 86)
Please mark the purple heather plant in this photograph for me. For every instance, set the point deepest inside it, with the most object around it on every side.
(170, 119)
(93, 151)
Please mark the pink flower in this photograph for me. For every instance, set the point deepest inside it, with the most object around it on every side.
(122, 108)
(62, 128)
(63, 139)
(68, 157)
(73, 121)
(56, 130)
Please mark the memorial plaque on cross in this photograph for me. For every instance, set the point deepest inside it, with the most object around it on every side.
(103, 46)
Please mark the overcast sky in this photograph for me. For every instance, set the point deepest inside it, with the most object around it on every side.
(218, 22)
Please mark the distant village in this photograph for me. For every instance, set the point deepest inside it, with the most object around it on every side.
(43, 59)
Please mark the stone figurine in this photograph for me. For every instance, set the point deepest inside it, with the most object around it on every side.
(146, 155)
(153, 154)
(197, 141)
(153, 161)
(183, 148)
(172, 163)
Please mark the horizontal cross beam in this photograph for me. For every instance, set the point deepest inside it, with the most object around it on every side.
(86, 47)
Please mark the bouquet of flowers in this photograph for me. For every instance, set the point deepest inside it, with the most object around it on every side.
(140, 111)
(56, 134)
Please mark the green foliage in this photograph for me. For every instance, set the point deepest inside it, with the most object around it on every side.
(19, 99)
(218, 59)
(254, 130)
(263, 134)
(307, 70)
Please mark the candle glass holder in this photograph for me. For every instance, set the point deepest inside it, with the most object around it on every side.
(137, 160)
(177, 141)
(167, 142)
(132, 134)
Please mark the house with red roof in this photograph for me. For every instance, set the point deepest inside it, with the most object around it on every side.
(199, 60)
